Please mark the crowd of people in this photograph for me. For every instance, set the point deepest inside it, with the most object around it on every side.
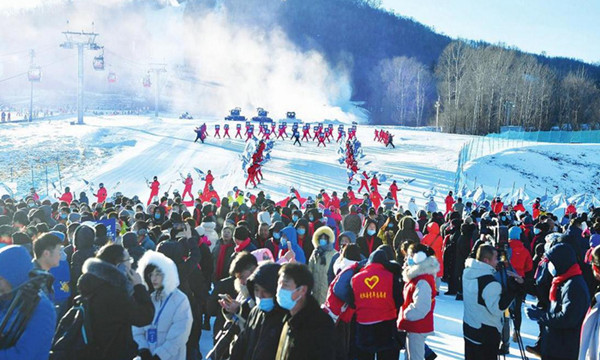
(315, 277)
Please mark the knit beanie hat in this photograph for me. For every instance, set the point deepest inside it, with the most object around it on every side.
(241, 233)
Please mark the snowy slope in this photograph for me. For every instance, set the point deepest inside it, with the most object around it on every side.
(568, 169)
(130, 148)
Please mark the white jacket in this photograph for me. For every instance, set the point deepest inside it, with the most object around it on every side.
(211, 233)
(589, 349)
(175, 322)
(475, 314)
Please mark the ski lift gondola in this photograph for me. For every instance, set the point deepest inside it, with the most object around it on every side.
(112, 77)
(146, 81)
(34, 73)
(99, 62)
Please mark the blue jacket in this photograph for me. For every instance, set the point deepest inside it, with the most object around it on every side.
(561, 325)
(289, 233)
(36, 340)
(62, 279)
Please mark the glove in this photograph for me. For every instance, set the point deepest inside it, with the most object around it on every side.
(534, 313)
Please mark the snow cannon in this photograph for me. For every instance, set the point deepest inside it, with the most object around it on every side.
(262, 116)
(235, 115)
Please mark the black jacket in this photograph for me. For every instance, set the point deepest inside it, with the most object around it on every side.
(260, 338)
(223, 286)
(114, 307)
(310, 333)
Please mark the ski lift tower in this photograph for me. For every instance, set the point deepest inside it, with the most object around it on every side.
(33, 75)
(157, 69)
(81, 40)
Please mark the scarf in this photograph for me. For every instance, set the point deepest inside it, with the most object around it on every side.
(204, 240)
(242, 246)
(221, 259)
(370, 241)
(560, 279)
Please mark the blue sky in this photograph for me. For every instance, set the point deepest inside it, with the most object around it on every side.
(569, 28)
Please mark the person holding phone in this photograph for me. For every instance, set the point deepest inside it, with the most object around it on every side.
(117, 301)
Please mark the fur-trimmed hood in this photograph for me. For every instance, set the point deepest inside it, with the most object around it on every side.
(107, 272)
(166, 266)
(323, 230)
(428, 266)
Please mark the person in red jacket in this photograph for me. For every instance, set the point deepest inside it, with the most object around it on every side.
(394, 190)
(375, 183)
(34, 195)
(497, 205)
(449, 202)
(376, 198)
(154, 188)
(376, 288)
(522, 263)
(536, 208)
(434, 240)
(188, 182)
(519, 206)
(416, 313)
(211, 194)
(101, 195)
(571, 209)
(364, 182)
(67, 196)
(251, 175)
(352, 196)
(208, 181)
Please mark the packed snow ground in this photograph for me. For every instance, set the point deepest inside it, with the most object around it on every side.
(128, 149)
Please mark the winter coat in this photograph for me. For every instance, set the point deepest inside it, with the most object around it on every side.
(459, 207)
(289, 233)
(589, 349)
(84, 243)
(260, 337)
(416, 313)
(175, 322)
(36, 339)
(406, 231)
(520, 258)
(413, 208)
(309, 334)
(435, 241)
(431, 206)
(320, 261)
(114, 307)
(223, 272)
(210, 233)
(476, 315)
(561, 324)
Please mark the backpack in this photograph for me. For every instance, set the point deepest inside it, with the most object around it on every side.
(73, 336)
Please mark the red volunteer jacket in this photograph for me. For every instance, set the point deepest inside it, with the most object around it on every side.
(425, 325)
(373, 295)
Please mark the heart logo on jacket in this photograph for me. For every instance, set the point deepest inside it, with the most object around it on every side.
(372, 281)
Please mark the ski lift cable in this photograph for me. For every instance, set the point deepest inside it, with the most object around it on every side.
(37, 50)
(41, 66)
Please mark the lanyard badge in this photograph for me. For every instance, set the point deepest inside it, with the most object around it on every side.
(152, 332)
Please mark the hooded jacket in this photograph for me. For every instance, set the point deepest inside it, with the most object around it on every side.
(406, 231)
(114, 306)
(434, 240)
(368, 243)
(520, 258)
(561, 324)
(260, 337)
(84, 246)
(320, 261)
(211, 233)
(289, 233)
(36, 339)
(416, 313)
(175, 322)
